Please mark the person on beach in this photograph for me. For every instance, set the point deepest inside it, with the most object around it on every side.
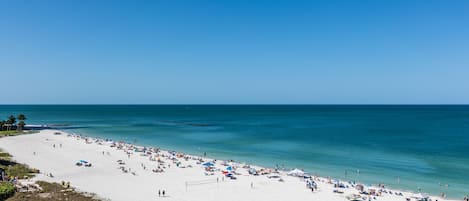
(164, 193)
(159, 193)
(60, 145)
(252, 185)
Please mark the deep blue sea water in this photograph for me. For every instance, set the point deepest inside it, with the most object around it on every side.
(425, 147)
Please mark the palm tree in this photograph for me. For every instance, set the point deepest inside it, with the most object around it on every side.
(21, 117)
(21, 124)
(11, 120)
(2, 123)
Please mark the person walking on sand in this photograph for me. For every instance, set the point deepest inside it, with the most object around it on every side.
(164, 193)
(159, 193)
(252, 185)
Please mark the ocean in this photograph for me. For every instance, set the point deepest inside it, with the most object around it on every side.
(406, 147)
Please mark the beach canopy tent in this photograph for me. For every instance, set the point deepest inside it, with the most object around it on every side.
(208, 164)
(296, 173)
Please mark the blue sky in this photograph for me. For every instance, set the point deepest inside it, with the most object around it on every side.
(234, 52)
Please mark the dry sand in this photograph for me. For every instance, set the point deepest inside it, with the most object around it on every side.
(107, 181)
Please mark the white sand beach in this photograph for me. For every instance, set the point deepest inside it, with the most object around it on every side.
(109, 181)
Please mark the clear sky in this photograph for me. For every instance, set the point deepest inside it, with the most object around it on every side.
(234, 52)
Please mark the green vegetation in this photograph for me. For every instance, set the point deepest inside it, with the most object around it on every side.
(7, 190)
(52, 192)
(9, 133)
(21, 123)
(10, 123)
(4, 155)
(20, 170)
(13, 169)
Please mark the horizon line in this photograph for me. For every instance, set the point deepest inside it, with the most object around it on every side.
(238, 104)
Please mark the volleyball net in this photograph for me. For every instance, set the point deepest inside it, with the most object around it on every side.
(201, 182)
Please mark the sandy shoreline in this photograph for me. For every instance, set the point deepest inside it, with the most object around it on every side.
(107, 180)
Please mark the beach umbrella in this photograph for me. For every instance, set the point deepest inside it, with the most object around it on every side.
(83, 161)
(296, 173)
(208, 164)
(229, 168)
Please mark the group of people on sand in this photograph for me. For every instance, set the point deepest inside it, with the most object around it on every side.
(155, 154)
(161, 193)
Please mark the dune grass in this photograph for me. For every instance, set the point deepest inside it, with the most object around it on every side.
(52, 192)
(14, 169)
(9, 133)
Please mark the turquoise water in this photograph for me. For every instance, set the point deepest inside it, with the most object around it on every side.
(422, 145)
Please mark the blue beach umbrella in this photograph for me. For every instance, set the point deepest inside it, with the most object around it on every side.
(208, 164)
(83, 161)
(229, 168)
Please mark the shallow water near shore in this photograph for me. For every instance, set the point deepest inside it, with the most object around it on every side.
(405, 147)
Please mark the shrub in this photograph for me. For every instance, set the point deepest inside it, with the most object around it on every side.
(19, 170)
(7, 190)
